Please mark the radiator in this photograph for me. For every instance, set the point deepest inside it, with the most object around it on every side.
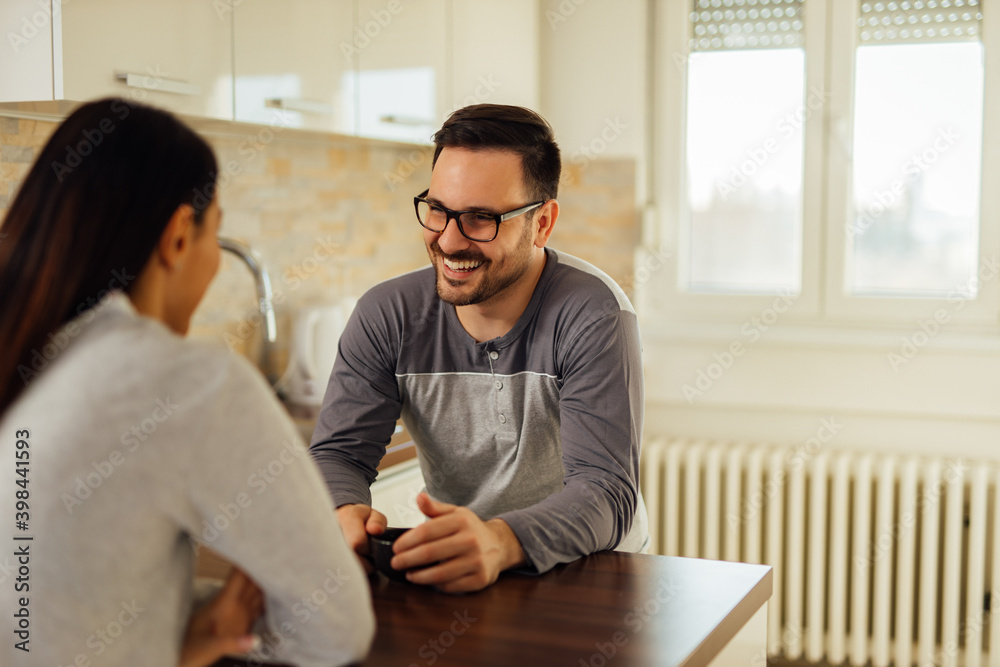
(877, 559)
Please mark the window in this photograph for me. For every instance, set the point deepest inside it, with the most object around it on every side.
(918, 116)
(831, 151)
(746, 88)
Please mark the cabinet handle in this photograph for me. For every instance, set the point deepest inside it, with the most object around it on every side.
(406, 120)
(299, 104)
(159, 84)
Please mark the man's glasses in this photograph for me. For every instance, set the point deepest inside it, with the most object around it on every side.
(480, 226)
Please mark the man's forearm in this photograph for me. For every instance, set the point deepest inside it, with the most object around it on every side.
(579, 520)
(347, 484)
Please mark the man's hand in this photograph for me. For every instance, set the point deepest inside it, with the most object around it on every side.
(464, 552)
(222, 626)
(358, 522)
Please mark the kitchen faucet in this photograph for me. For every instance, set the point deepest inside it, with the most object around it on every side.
(265, 301)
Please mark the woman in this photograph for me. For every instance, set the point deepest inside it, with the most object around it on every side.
(122, 440)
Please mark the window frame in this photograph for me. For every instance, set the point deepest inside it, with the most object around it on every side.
(830, 43)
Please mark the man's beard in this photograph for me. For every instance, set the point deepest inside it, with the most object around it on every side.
(496, 277)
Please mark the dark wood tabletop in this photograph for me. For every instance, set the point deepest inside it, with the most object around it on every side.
(607, 608)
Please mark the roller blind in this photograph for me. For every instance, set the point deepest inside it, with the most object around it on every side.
(730, 25)
(919, 21)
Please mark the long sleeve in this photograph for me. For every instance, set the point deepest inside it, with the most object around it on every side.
(600, 413)
(267, 510)
(360, 408)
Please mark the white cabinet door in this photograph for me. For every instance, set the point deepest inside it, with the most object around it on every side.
(294, 65)
(422, 59)
(403, 83)
(26, 55)
(177, 54)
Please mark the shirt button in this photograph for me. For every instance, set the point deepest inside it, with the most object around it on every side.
(503, 420)
(494, 355)
(499, 384)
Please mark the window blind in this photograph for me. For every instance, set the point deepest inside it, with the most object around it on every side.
(915, 21)
(720, 25)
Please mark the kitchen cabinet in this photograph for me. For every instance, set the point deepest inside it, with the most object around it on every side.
(293, 64)
(422, 59)
(176, 55)
(402, 76)
(26, 66)
(387, 69)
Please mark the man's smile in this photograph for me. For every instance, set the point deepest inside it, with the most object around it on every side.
(461, 266)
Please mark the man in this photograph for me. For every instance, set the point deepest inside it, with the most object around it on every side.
(516, 370)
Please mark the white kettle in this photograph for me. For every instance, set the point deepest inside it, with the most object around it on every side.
(315, 334)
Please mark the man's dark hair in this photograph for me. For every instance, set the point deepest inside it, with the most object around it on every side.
(511, 128)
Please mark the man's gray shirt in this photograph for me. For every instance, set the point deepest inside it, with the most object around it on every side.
(540, 427)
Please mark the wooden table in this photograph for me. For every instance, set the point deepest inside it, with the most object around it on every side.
(608, 608)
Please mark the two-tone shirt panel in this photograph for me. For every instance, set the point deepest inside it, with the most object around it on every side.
(486, 441)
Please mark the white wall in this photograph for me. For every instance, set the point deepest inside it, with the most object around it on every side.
(941, 401)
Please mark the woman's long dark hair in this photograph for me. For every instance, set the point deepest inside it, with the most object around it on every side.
(87, 219)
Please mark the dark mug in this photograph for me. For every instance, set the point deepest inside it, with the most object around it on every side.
(380, 548)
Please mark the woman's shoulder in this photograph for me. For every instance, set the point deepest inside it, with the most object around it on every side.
(113, 356)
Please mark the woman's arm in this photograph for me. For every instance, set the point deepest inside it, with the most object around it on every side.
(222, 626)
(260, 502)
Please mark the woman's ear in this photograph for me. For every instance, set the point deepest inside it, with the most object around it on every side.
(175, 242)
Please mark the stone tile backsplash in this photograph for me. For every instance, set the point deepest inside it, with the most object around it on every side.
(331, 216)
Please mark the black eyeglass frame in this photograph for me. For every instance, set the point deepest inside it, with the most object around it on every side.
(457, 216)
